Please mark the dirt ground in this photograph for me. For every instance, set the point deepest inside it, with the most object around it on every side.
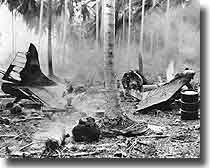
(24, 135)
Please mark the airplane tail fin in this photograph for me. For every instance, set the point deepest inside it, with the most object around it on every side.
(25, 70)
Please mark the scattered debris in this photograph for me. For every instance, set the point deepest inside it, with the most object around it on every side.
(155, 136)
(148, 143)
(16, 110)
(96, 138)
(55, 143)
(86, 130)
(9, 105)
(120, 154)
(197, 127)
(26, 146)
(19, 154)
(74, 155)
(30, 83)
(79, 89)
(7, 136)
(164, 95)
(4, 121)
(177, 122)
(84, 154)
(31, 105)
(27, 119)
(100, 113)
(157, 129)
(134, 130)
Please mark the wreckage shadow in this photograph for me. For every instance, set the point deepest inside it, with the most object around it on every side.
(141, 162)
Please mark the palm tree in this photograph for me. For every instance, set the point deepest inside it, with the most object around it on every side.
(13, 34)
(50, 67)
(129, 32)
(30, 10)
(153, 3)
(97, 23)
(102, 21)
(64, 29)
(141, 38)
(40, 22)
(109, 43)
(112, 110)
(167, 20)
(34, 10)
(123, 23)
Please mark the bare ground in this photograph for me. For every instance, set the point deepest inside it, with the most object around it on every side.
(173, 137)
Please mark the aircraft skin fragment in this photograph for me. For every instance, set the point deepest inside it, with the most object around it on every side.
(27, 81)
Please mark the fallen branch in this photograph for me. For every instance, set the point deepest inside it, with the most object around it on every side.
(27, 119)
(127, 133)
(54, 110)
(155, 136)
(7, 136)
(79, 154)
(8, 142)
(5, 96)
(27, 146)
(23, 154)
(148, 143)
(85, 153)
(89, 145)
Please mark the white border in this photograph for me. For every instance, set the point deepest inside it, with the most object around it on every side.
(204, 4)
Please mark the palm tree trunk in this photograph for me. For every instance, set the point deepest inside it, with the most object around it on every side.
(141, 55)
(123, 28)
(129, 33)
(64, 29)
(168, 6)
(97, 23)
(102, 22)
(167, 22)
(109, 35)
(40, 23)
(109, 43)
(151, 43)
(13, 34)
(50, 67)
(153, 3)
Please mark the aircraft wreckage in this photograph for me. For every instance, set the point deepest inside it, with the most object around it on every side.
(24, 80)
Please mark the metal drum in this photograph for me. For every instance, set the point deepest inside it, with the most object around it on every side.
(189, 105)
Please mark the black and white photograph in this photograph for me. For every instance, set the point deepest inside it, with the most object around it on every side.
(102, 79)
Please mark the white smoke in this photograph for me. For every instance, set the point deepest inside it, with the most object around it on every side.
(23, 36)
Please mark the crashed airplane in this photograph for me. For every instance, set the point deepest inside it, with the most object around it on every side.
(24, 80)
(155, 96)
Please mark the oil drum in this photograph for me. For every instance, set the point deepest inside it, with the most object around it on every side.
(189, 105)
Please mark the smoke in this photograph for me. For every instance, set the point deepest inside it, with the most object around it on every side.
(22, 36)
(82, 63)
(174, 39)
